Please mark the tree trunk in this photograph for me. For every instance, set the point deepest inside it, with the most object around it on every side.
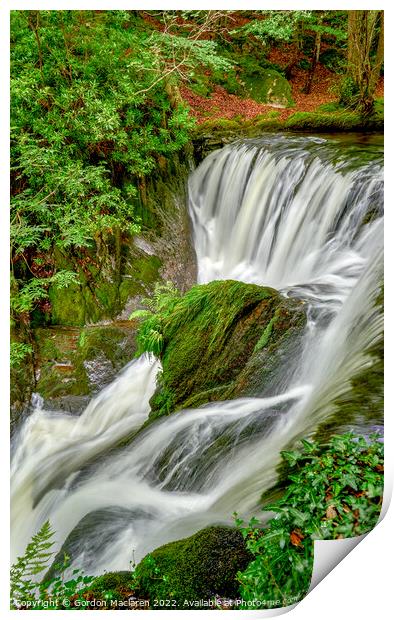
(362, 27)
(316, 55)
(379, 54)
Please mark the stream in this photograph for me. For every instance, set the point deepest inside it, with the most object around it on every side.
(302, 214)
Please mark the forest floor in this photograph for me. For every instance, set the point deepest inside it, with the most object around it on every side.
(221, 104)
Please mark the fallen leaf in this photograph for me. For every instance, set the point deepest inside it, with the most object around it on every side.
(331, 513)
(296, 537)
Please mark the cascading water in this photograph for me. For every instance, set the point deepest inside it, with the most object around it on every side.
(289, 212)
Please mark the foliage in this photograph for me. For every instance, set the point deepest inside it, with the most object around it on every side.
(94, 108)
(18, 352)
(36, 289)
(334, 491)
(111, 589)
(27, 593)
(348, 92)
(284, 25)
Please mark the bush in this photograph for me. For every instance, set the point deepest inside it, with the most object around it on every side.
(334, 491)
(348, 92)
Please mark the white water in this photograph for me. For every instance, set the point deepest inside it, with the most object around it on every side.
(277, 212)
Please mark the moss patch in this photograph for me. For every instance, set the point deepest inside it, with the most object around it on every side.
(211, 337)
(198, 567)
(104, 288)
(216, 133)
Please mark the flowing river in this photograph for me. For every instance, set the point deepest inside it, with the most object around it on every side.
(300, 214)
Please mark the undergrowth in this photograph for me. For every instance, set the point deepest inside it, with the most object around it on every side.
(334, 491)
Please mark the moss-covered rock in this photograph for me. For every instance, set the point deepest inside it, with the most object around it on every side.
(198, 567)
(222, 340)
(269, 86)
(340, 120)
(213, 134)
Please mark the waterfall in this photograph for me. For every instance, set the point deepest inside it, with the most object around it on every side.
(301, 214)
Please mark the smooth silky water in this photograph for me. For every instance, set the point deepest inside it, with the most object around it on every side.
(300, 214)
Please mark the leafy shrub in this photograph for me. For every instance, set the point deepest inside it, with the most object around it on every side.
(349, 92)
(334, 491)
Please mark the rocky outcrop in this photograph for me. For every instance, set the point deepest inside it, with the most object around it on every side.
(71, 363)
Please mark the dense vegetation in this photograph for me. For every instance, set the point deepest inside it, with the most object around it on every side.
(97, 107)
(333, 491)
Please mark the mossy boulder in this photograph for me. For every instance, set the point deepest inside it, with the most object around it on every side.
(270, 87)
(198, 567)
(338, 119)
(222, 340)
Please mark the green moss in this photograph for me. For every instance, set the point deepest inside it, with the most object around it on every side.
(216, 393)
(105, 284)
(194, 568)
(209, 336)
(217, 124)
(111, 588)
(341, 120)
(270, 87)
(265, 336)
(215, 133)
(67, 305)
(61, 354)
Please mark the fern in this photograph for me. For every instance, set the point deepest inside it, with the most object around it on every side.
(34, 561)
(54, 593)
(159, 306)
